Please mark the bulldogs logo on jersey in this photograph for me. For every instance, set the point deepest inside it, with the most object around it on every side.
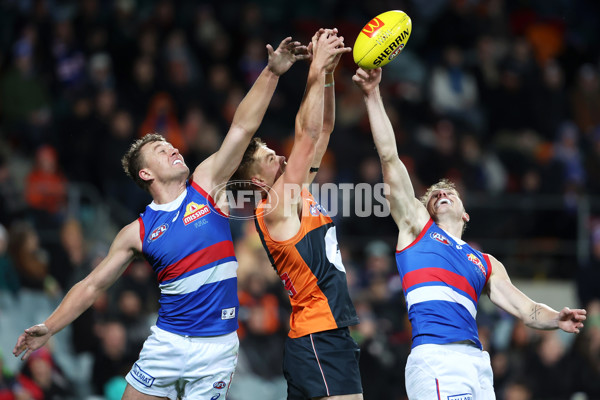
(473, 258)
(194, 211)
(158, 232)
(440, 238)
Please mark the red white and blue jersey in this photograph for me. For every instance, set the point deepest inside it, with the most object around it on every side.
(442, 279)
(188, 243)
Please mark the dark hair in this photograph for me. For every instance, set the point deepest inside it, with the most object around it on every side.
(242, 176)
(133, 162)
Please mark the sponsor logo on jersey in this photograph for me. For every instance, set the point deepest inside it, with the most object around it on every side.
(228, 313)
(372, 27)
(216, 396)
(287, 284)
(158, 232)
(473, 258)
(464, 396)
(440, 238)
(141, 376)
(316, 208)
(193, 211)
(219, 385)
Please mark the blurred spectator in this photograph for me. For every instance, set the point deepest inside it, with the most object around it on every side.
(551, 102)
(183, 74)
(201, 135)
(592, 163)
(140, 87)
(161, 118)
(101, 72)
(77, 139)
(567, 152)
(42, 378)
(112, 357)
(114, 184)
(8, 385)
(24, 97)
(69, 60)
(441, 145)
(454, 91)
(585, 99)
(588, 276)
(9, 280)
(31, 261)
(546, 367)
(46, 188)
(587, 346)
(11, 196)
(68, 253)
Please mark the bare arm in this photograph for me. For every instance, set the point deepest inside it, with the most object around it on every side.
(328, 115)
(308, 127)
(535, 315)
(84, 293)
(408, 212)
(219, 167)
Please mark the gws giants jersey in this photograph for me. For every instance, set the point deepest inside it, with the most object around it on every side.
(310, 267)
(442, 279)
(188, 243)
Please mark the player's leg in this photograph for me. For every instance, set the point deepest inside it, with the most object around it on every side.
(156, 373)
(442, 372)
(323, 365)
(357, 396)
(210, 366)
(132, 394)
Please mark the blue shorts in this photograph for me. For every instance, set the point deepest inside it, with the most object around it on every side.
(322, 364)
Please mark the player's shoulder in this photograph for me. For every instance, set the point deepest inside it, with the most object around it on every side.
(130, 235)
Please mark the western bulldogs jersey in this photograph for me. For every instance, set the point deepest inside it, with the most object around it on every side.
(442, 279)
(310, 267)
(188, 243)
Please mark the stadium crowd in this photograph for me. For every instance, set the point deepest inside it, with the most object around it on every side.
(501, 96)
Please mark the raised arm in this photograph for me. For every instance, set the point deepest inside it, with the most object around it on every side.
(219, 167)
(408, 212)
(328, 115)
(83, 294)
(535, 315)
(308, 127)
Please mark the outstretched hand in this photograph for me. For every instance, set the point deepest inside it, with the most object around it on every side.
(367, 79)
(571, 320)
(286, 55)
(32, 339)
(326, 48)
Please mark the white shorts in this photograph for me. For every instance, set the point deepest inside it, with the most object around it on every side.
(191, 367)
(449, 372)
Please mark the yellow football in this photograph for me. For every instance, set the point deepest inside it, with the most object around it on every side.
(382, 39)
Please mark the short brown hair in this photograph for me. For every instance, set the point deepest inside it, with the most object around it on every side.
(241, 177)
(133, 162)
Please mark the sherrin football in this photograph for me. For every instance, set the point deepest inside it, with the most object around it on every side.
(382, 39)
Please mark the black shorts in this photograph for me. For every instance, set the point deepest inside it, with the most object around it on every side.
(322, 364)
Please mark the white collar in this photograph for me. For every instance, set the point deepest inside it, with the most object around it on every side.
(170, 206)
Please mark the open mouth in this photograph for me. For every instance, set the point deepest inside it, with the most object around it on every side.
(177, 162)
(443, 201)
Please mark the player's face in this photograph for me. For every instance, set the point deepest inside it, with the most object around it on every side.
(270, 165)
(163, 162)
(445, 201)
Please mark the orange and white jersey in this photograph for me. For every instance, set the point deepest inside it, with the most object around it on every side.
(310, 267)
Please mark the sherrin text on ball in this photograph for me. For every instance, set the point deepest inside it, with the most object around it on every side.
(382, 39)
